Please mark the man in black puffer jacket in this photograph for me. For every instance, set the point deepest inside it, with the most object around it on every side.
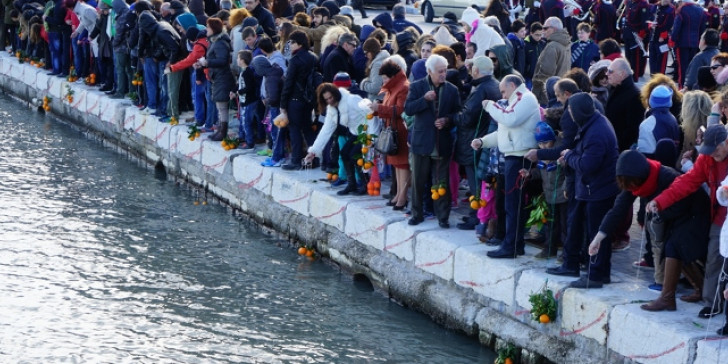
(472, 123)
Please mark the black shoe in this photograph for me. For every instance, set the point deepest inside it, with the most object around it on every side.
(501, 253)
(444, 224)
(361, 191)
(415, 221)
(466, 225)
(291, 167)
(586, 283)
(105, 89)
(708, 312)
(399, 208)
(563, 271)
(391, 203)
(723, 331)
(349, 189)
(494, 242)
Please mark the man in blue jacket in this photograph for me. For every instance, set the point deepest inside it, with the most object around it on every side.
(708, 48)
(400, 23)
(593, 159)
(433, 102)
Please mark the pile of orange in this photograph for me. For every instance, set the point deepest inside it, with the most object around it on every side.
(305, 251)
(438, 191)
(281, 121)
(364, 164)
(173, 121)
(38, 64)
(476, 203)
(47, 103)
(138, 80)
(373, 188)
(91, 79)
(333, 177)
(229, 143)
(72, 75)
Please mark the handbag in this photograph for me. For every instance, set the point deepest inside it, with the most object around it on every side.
(387, 140)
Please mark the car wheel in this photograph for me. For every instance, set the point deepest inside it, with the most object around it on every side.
(427, 12)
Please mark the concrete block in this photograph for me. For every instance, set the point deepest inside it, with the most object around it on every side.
(367, 218)
(533, 281)
(189, 149)
(712, 349)
(148, 128)
(435, 250)
(663, 337)
(161, 135)
(400, 239)
(106, 108)
(492, 278)
(292, 191)
(79, 97)
(132, 118)
(42, 80)
(586, 312)
(328, 208)
(30, 75)
(16, 71)
(214, 157)
(248, 172)
(56, 87)
(6, 63)
(93, 100)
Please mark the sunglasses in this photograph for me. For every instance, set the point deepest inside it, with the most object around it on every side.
(716, 66)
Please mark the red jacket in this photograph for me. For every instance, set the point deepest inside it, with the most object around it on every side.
(705, 170)
(199, 49)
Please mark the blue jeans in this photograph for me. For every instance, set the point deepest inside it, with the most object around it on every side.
(80, 57)
(278, 136)
(151, 82)
(163, 91)
(123, 72)
(514, 202)
(249, 127)
(198, 96)
(210, 108)
(54, 44)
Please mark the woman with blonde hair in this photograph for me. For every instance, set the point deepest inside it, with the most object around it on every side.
(695, 111)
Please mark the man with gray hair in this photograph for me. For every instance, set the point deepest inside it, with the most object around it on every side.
(624, 107)
(555, 59)
(473, 122)
(514, 137)
(434, 103)
(340, 60)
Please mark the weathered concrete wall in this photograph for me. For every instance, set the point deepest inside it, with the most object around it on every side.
(443, 273)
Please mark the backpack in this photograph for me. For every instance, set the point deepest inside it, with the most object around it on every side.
(313, 80)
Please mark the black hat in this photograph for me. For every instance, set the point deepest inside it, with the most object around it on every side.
(632, 163)
(451, 16)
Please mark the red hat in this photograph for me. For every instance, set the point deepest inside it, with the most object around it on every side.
(342, 79)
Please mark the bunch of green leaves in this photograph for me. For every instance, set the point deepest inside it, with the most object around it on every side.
(539, 212)
(505, 353)
(193, 131)
(543, 302)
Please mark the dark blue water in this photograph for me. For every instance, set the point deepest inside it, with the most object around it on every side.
(102, 262)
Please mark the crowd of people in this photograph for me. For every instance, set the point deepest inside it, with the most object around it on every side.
(511, 102)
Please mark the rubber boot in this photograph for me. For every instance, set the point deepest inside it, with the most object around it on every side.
(666, 301)
(221, 132)
(695, 277)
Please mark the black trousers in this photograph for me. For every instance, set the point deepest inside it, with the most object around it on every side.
(424, 169)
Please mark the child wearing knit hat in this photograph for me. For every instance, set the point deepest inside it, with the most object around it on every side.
(553, 182)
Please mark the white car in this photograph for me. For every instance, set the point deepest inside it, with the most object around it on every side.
(437, 8)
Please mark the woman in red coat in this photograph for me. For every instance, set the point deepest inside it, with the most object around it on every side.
(395, 86)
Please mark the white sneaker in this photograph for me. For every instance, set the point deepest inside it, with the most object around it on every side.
(148, 111)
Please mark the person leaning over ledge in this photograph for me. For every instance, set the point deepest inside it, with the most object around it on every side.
(514, 138)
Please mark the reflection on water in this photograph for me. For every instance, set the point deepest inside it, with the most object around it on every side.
(102, 262)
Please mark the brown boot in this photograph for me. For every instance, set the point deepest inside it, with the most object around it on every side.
(666, 301)
(695, 277)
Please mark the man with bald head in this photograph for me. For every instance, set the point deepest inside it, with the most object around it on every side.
(624, 108)
(555, 59)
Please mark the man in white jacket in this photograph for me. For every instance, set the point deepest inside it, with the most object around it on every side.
(343, 116)
(515, 136)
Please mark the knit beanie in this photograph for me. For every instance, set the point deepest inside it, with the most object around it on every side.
(332, 6)
(105, 4)
(661, 96)
(342, 79)
(404, 39)
(581, 106)
(261, 65)
(347, 10)
(215, 24)
(632, 163)
(544, 133)
(176, 5)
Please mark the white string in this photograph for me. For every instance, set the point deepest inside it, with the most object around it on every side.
(721, 277)
(519, 230)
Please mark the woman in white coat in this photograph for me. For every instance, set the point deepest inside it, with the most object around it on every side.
(343, 117)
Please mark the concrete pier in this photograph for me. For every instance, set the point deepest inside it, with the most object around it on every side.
(441, 272)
